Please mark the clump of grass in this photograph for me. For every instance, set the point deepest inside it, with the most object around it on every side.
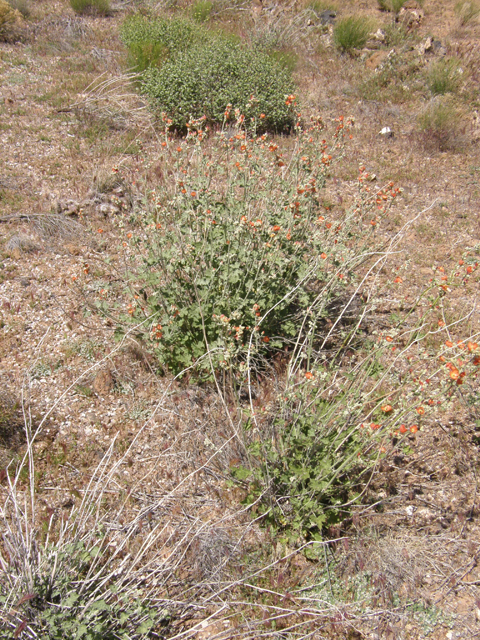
(352, 33)
(444, 77)
(467, 11)
(91, 7)
(395, 34)
(440, 125)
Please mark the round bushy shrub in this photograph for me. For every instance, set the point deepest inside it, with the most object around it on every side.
(208, 77)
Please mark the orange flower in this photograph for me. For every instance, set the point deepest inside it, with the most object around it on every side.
(276, 228)
(374, 426)
(328, 225)
(403, 428)
(100, 230)
(323, 256)
(193, 194)
(387, 408)
(266, 339)
(414, 428)
(262, 115)
(476, 361)
(449, 344)
(441, 323)
(469, 269)
(472, 346)
(398, 280)
(309, 375)
(454, 373)
(389, 338)
(420, 411)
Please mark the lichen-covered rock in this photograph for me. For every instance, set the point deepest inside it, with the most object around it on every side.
(10, 21)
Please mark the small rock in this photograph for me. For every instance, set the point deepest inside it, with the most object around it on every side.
(387, 132)
(68, 207)
(327, 17)
(477, 614)
(25, 282)
(380, 35)
(410, 15)
(109, 209)
(425, 46)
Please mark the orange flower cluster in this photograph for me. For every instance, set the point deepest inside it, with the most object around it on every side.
(156, 332)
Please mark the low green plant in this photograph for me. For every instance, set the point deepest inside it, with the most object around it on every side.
(208, 77)
(151, 42)
(444, 77)
(352, 33)
(91, 7)
(313, 456)
(467, 11)
(202, 10)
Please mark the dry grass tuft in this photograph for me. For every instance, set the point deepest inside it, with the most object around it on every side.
(21, 243)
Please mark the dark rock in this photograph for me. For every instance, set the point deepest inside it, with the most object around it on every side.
(327, 16)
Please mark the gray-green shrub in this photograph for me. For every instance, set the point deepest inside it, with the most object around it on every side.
(206, 78)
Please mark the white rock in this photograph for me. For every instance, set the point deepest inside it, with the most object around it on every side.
(387, 132)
